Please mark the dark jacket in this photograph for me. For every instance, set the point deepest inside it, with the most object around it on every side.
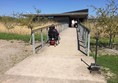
(53, 33)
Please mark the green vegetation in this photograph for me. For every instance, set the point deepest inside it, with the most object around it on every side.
(110, 62)
(106, 20)
(30, 21)
(107, 61)
(12, 36)
(104, 41)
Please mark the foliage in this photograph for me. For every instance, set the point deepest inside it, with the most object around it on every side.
(107, 20)
(20, 19)
(102, 43)
(28, 20)
(8, 21)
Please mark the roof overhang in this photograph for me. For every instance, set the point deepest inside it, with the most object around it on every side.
(78, 14)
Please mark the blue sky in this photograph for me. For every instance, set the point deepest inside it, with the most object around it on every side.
(48, 6)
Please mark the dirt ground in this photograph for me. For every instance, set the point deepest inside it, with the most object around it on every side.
(106, 51)
(12, 52)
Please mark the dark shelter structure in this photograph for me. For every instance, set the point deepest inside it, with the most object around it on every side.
(78, 16)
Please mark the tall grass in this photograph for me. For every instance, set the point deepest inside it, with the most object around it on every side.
(24, 30)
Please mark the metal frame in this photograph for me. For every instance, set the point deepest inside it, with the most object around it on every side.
(84, 38)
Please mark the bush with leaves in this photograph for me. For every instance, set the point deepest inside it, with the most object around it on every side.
(107, 21)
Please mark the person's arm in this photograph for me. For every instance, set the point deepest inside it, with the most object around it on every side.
(57, 32)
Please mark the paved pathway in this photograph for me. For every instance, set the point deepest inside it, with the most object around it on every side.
(60, 64)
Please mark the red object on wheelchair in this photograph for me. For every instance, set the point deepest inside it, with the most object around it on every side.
(52, 41)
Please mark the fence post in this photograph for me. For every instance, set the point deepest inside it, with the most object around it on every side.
(41, 38)
(47, 34)
(60, 26)
(81, 32)
(88, 43)
(33, 42)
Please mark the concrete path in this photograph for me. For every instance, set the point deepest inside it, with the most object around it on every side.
(60, 64)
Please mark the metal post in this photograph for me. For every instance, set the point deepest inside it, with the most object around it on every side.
(96, 48)
(88, 43)
(47, 34)
(65, 26)
(82, 34)
(58, 28)
(33, 42)
(78, 28)
(86, 34)
(41, 38)
(81, 31)
(62, 28)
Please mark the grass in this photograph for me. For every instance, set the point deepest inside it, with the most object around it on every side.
(25, 38)
(110, 62)
(12, 36)
(107, 61)
(103, 42)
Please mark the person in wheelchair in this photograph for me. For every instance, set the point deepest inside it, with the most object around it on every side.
(53, 34)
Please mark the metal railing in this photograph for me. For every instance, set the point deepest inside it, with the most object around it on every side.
(83, 36)
(44, 31)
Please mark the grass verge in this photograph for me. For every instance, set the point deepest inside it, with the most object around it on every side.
(26, 38)
(110, 62)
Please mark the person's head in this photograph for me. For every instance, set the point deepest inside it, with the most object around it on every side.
(53, 26)
(50, 27)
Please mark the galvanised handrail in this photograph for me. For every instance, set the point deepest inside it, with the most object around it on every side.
(83, 39)
(59, 27)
